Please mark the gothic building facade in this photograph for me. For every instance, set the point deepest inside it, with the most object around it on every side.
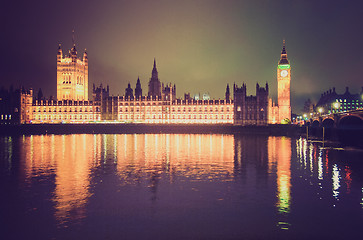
(160, 105)
(250, 110)
(72, 76)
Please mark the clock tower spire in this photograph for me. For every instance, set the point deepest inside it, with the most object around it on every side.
(283, 89)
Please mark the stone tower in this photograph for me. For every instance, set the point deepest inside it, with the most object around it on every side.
(72, 76)
(154, 83)
(283, 86)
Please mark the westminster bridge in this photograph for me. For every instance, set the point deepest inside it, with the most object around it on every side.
(347, 119)
(346, 127)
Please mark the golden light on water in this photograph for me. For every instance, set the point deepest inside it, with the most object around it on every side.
(69, 161)
(72, 158)
(280, 155)
(191, 155)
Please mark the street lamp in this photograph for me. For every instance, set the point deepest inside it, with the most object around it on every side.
(320, 110)
(336, 105)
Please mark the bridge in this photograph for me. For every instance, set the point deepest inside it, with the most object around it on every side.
(347, 119)
(345, 127)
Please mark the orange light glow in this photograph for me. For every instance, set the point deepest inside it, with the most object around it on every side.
(279, 149)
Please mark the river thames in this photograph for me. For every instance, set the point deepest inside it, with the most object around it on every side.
(178, 186)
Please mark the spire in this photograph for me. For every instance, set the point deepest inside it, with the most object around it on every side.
(138, 89)
(283, 47)
(283, 59)
(73, 51)
(60, 50)
(154, 73)
(73, 41)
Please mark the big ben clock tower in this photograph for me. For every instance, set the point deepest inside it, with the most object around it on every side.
(283, 86)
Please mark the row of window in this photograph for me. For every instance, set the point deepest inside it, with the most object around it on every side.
(345, 100)
(66, 110)
(65, 117)
(5, 117)
(163, 103)
(121, 117)
(64, 103)
(178, 109)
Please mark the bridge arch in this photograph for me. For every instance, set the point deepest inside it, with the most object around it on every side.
(351, 120)
(315, 123)
(328, 123)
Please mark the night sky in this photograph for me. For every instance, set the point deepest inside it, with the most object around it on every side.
(198, 45)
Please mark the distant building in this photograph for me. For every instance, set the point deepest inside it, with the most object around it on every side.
(15, 106)
(332, 102)
(160, 105)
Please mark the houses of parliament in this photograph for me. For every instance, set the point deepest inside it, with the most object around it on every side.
(158, 106)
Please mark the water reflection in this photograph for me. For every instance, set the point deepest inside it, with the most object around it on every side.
(280, 154)
(198, 157)
(72, 158)
(69, 161)
(273, 176)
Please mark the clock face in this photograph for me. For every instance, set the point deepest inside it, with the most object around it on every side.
(284, 73)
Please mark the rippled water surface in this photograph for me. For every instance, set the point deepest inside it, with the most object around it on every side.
(178, 186)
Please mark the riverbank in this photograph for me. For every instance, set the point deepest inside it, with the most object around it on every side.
(117, 128)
